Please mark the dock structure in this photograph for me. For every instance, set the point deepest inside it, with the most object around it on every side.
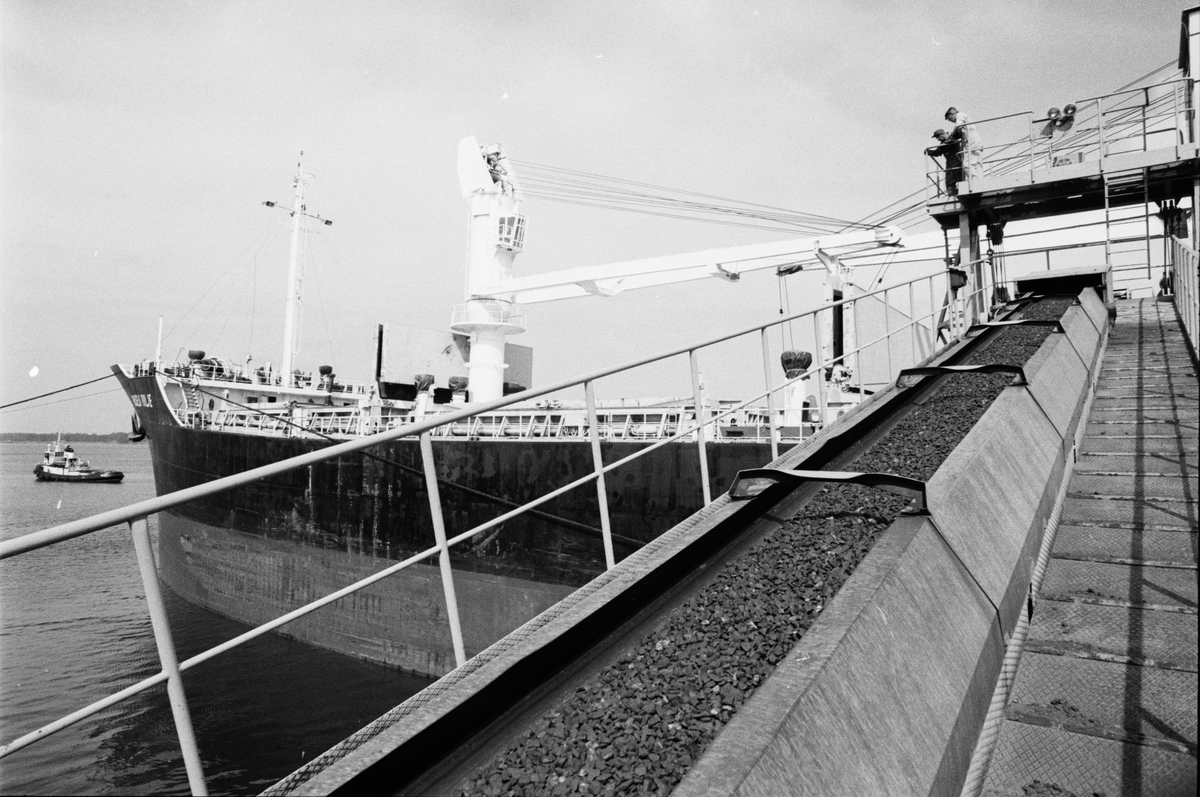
(1104, 699)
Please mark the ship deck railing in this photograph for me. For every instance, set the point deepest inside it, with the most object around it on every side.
(1128, 129)
(345, 422)
(933, 317)
(195, 370)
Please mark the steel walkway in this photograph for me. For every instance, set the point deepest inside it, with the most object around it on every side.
(1104, 701)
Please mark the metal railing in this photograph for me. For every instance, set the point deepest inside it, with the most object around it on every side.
(227, 372)
(1131, 120)
(1124, 280)
(487, 312)
(945, 318)
(1184, 278)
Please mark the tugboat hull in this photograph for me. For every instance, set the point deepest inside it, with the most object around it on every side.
(101, 476)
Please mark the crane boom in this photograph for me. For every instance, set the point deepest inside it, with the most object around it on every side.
(727, 263)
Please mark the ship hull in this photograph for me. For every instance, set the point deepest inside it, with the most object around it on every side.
(259, 551)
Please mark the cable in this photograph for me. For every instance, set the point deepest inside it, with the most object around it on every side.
(590, 175)
(270, 228)
(591, 190)
(60, 390)
(69, 398)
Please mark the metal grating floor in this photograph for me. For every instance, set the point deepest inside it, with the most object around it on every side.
(1105, 698)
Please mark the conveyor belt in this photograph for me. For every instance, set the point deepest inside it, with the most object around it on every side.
(498, 728)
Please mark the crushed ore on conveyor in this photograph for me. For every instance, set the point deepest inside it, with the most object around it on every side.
(637, 726)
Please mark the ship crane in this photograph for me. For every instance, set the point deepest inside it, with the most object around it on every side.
(494, 295)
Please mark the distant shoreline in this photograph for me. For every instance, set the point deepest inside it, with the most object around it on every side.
(68, 437)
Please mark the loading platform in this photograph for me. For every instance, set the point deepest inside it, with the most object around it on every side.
(1105, 698)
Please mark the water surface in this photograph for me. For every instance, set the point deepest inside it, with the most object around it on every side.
(74, 628)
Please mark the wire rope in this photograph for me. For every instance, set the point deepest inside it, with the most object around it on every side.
(60, 401)
(56, 392)
(257, 242)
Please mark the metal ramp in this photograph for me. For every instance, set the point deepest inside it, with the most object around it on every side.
(1104, 700)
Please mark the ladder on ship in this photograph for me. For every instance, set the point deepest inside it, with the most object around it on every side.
(1127, 238)
(191, 395)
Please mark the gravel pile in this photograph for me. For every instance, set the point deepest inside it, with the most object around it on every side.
(637, 726)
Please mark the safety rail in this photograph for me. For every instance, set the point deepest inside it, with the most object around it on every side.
(1123, 281)
(1131, 120)
(1184, 279)
(488, 313)
(944, 322)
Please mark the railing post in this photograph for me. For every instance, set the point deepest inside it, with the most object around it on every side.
(858, 349)
(887, 335)
(933, 316)
(1029, 117)
(766, 352)
(700, 421)
(598, 463)
(819, 351)
(1145, 130)
(166, 655)
(439, 535)
(912, 323)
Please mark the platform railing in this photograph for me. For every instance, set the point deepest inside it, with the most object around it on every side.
(1184, 278)
(1131, 120)
(945, 321)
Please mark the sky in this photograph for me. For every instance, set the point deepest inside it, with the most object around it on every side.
(138, 141)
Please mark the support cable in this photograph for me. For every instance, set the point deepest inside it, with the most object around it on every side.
(55, 392)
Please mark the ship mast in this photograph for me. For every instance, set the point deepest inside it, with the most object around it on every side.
(291, 323)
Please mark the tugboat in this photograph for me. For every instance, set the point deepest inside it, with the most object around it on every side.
(61, 464)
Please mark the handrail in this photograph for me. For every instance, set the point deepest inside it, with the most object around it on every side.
(1184, 279)
(1097, 128)
(136, 514)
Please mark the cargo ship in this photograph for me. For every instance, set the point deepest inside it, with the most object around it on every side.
(257, 552)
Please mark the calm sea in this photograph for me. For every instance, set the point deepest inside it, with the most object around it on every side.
(74, 628)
